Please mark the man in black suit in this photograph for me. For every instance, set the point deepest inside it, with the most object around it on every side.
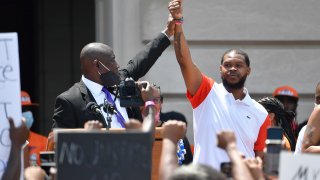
(100, 69)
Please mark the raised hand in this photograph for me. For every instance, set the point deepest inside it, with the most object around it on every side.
(226, 138)
(255, 167)
(175, 8)
(174, 130)
(18, 135)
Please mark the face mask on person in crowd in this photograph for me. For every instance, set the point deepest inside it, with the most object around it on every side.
(29, 118)
(109, 78)
(316, 105)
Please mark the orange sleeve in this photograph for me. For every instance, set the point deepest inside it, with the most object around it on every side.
(260, 143)
(202, 92)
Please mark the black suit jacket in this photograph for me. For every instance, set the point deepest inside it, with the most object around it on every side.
(70, 107)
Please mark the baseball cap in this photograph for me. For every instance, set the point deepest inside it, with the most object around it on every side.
(26, 100)
(285, 91)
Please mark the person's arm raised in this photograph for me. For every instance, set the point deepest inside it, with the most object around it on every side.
(18, 136)
(172, 131)
(191, 74)
(227, 141)
(312, 133)
(149, 54)
(151, 96)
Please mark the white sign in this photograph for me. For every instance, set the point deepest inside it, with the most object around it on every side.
(299, 166)
(10, 98)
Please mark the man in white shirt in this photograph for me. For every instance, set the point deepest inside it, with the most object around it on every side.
(223, 106)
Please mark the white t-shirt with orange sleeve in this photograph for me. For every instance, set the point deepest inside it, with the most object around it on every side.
(214, 110)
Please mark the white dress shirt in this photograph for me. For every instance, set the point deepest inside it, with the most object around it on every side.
(99, 96)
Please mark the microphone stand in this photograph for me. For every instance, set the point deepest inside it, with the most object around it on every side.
(106, 108)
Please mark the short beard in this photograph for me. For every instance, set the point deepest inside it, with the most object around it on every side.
(235, 86)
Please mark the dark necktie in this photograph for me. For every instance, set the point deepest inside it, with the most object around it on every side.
(118, 115)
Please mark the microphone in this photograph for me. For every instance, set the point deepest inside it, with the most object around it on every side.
(109, 108)
(93, 108)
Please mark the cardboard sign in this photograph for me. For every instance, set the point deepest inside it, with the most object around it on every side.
(299, 166)
(101, 155)
(10, 99)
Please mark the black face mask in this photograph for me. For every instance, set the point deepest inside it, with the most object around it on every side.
(109, 79)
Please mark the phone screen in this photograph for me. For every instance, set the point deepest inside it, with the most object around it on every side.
(226, 168)
(274, 146)
(274, 133)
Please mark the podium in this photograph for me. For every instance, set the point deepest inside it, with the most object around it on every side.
(155, 153)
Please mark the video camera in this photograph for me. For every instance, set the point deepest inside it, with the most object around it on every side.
(130, 94)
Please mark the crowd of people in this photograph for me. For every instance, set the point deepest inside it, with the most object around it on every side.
(229, 127)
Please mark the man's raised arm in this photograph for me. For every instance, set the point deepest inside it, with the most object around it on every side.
(191, 74)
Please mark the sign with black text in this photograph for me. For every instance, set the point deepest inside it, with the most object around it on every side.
(102, 155)
(10, 98)
(299, 166)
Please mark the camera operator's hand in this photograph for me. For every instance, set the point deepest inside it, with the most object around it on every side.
(149, 92)
(151, 95)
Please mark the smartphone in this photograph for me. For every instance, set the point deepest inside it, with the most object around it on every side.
(274, 140)
(274, 146)
(274, 133)
(226, 168)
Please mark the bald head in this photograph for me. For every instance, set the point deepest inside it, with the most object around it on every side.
(92, 56)
(97, 51)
